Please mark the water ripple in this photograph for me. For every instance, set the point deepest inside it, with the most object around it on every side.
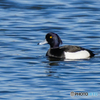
(26, 73)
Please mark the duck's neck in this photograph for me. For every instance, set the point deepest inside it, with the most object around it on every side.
(54, 46)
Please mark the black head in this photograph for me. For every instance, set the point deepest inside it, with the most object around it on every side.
(53, 40)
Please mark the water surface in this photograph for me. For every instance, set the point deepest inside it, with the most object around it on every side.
(26, 73)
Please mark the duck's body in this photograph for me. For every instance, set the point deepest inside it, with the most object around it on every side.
(67, 51)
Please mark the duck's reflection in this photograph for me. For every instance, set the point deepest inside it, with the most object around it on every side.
(55, 59)
(52, 67)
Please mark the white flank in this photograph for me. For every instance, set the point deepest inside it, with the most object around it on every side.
(83, 54)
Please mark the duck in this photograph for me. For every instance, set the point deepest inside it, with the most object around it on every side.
(71, 52)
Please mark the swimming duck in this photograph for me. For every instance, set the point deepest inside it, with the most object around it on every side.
(64, 52)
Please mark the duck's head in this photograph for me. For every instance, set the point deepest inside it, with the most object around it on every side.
(52, 39)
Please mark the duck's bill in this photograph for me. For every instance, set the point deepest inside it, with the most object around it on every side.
(43, 42)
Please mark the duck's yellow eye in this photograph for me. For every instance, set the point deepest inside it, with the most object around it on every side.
(50, 37)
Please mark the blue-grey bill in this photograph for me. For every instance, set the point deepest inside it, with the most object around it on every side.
(43, 42)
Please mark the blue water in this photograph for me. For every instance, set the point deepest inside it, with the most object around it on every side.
(25, 72)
